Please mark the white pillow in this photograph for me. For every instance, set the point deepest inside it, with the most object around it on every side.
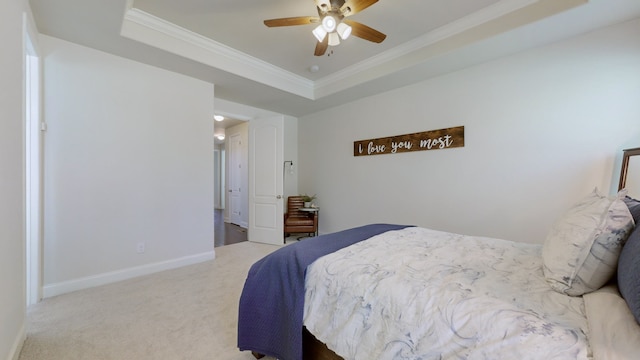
(580, 253)
(614, 333)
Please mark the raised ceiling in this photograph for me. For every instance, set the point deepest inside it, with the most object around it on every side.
(225, 41)
(239, 25)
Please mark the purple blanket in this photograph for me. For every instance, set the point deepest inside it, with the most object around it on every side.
(272, 301)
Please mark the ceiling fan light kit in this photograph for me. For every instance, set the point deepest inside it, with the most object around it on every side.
(344, 31)
(334, 39)
(333, 26)
(319, 33)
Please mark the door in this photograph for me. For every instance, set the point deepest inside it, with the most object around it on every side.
(266, 180)
(235, 179)
(33, 172)
(217, 184)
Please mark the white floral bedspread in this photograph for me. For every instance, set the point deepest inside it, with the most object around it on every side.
(423, 294)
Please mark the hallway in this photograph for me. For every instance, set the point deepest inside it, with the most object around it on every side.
(226, 233)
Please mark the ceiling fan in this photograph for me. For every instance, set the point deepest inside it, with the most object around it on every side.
(332, 23)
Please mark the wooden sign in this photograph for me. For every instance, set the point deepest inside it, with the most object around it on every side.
(427, 140)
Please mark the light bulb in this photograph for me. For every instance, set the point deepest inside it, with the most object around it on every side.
(329, 24)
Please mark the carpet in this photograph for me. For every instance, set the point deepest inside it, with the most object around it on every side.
(186, 313)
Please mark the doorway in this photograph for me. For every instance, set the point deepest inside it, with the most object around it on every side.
(230, 179)
(254, 193)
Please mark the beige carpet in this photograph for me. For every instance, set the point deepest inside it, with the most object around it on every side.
(187, 313)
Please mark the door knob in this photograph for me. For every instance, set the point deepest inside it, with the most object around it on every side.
(279, 197)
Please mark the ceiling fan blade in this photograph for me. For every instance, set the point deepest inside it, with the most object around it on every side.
(321, 46)
(291, 21)
(364, 32)
(351, 7)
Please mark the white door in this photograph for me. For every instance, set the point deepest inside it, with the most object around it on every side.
(235, 179)
(33, 172)
(266, 180)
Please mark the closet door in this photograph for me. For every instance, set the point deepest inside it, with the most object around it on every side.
(235, 179)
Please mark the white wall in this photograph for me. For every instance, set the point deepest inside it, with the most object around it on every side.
(12, 242)
(542, 129)
(128, 159)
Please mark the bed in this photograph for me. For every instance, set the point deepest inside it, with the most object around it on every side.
(386, 291)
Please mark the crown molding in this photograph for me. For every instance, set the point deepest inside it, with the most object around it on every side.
(151, 30)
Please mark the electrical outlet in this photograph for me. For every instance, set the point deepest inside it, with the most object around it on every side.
(140, 248)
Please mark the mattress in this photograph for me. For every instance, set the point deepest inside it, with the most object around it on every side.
(423, 294)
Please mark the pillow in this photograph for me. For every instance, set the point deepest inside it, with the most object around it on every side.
(580, 253)
(613, 332)
(629, 273)
(634, 208)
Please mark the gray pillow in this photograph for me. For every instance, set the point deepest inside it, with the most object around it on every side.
(629, 263)
(629, 273)
(634, 208)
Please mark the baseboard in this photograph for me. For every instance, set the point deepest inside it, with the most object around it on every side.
(18, 343)
(124, 274)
